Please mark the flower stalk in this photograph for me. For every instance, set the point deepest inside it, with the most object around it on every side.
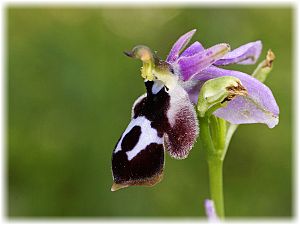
(215, 167)
(215, 163)
(215, 94)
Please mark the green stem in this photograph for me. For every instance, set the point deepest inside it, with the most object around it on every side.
(215, 166)
(205, 135)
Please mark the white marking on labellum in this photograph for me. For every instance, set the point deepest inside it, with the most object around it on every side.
(157, 86)
(148, 136)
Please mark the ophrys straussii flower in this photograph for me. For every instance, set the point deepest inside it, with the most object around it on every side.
(164, 118)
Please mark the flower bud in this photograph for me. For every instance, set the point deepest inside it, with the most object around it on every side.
(264, 68)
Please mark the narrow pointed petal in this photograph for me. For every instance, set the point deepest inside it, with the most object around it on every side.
(183, 131)
(245, 54)
(259, 106)
(192, 65)
(195, 48)
(179, 45)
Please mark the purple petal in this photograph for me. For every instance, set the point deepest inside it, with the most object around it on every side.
(192, 65)
(179, 45)
(195, 48)
(245, 54)
(258, 107)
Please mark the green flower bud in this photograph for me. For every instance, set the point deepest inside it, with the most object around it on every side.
(264, 68)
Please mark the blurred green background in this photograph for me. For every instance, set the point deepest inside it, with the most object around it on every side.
(70, 91)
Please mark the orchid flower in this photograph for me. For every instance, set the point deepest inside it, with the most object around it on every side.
(164, 119)
(196, 65)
